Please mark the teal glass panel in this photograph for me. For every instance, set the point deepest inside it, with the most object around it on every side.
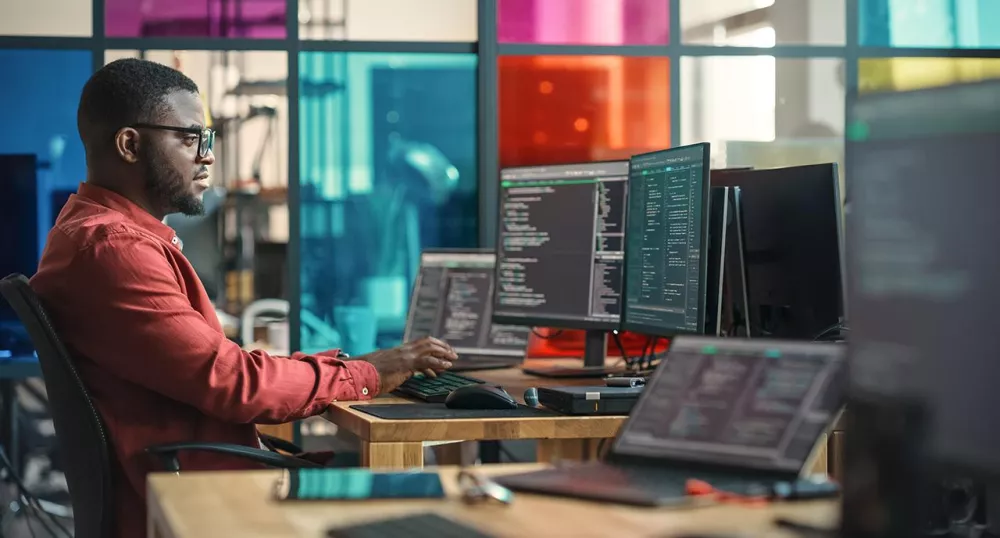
(387, 168)
(929, 23)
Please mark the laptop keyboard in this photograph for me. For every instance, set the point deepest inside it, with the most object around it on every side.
(435, 390)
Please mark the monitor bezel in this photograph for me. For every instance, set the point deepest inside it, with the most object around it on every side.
(652, 330)
(573, 323)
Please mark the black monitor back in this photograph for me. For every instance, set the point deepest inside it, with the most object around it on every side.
(18, 221)
(792, 228)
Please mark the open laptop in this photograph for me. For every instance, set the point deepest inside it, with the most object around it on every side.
(742, 415)
(452, 300)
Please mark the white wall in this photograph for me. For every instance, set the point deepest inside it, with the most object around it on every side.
(393, 20)
(46, 17)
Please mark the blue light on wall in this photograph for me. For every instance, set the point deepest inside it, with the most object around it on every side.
(40, 93)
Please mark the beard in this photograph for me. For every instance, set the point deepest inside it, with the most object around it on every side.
(167, 188)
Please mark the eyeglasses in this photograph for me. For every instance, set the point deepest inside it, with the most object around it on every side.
(477, 488)
(206, 136)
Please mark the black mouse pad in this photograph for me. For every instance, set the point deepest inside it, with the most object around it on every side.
(437, 411)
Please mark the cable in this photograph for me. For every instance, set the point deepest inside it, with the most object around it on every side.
(839, 326)
(621, 348)
(600, 447)
(31, 530)
(652, 354)
(543, 337)
(32, 501)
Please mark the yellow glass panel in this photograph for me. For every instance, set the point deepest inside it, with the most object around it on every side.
(903, 74)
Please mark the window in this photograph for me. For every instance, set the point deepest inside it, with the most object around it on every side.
(39, 116)
(793, 22)
(388, 20)
(387, 168)
(582, 108)
(195, 18)
(929, 23)
(902, 74)
(786, 112)
(70, 18)
(584, 22)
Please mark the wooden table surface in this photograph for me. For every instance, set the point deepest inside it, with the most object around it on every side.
(240, 503)
(399, 443)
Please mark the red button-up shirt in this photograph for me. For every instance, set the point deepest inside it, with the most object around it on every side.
(151, 351)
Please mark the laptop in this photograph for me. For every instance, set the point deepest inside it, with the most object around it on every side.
(452, 300)
(742, 415)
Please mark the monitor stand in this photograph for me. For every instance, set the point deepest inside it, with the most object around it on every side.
(594, 355)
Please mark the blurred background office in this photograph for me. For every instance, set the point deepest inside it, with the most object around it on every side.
(355, 133)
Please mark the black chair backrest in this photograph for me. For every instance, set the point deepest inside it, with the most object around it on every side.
(84, 446)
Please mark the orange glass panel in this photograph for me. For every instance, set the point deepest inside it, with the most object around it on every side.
(556, 109)
(562, 109)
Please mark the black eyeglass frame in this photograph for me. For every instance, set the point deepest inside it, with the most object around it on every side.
(206, 135)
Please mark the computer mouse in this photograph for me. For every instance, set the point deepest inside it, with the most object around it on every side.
(480, 396)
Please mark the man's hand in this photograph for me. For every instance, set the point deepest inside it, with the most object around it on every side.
(396, 365)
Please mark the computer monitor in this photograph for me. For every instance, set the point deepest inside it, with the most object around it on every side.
(666, 242)
(737, 403)
(452, 301)
(18, 221)
(923, 286)
(791, 221)
(560, 249)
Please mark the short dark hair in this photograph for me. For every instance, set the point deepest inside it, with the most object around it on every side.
(122, 93)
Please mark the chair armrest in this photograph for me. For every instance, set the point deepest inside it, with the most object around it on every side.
(277, 443)
(168, 455)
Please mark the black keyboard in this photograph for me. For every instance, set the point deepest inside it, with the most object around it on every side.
(435, 389)
(415, 526)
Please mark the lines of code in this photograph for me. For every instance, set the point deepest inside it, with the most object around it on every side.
(665, 241)
(561, 242)
(452, 302)
(735, 406)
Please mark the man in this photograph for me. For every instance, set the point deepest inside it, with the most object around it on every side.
(134, 315)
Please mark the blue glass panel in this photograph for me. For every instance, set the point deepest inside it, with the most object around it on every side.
(387, 168)
(929, 23)
(39, 97)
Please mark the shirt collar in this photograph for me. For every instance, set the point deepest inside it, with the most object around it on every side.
(133, 212)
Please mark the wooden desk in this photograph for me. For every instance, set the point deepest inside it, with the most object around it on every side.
(399, 443)
(210, 505)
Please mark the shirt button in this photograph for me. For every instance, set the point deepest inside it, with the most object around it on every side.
(364, 391)
(174, 240)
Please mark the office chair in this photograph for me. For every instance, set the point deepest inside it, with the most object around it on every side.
(78, 425)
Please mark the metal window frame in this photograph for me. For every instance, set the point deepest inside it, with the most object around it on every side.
(488, 51)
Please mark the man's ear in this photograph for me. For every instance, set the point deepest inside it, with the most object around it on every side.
(127, 144)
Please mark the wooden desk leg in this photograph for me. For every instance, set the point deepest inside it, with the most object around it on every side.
(392, 455)
(464, 453)
(821, 464)
(553, 450)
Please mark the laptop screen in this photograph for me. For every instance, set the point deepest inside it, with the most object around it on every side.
(452, 300)
(747, 403)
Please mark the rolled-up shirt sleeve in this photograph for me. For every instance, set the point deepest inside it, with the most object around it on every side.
(147, 332)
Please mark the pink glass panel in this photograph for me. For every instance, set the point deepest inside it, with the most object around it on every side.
(584, 22)
(196, 18)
